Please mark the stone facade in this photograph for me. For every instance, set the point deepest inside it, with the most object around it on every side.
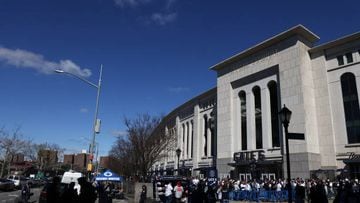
(252, 87)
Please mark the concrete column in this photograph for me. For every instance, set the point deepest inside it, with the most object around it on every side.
(178, 136)
(266, 118)
(191, 125)
(196, 138)
(358, 87)
(185, 140)
(167, 150)
(209, 141)
(250, 117)
(237, 142)
(203, 120)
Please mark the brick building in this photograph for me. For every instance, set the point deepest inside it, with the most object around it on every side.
(108, 162)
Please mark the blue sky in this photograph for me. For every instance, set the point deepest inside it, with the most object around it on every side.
(156, 55)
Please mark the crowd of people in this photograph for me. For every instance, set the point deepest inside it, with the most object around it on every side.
(55, 192)
(83, 192)
(310, 190)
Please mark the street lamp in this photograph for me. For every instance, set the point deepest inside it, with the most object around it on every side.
(96, 126)
(178, 152)
(285, 115)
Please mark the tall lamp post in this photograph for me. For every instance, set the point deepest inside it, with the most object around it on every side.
(96, 127)
(178, 152)
(285, 115)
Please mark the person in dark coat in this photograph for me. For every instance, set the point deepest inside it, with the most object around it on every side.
(300, 192)
(87, 191)
(53, 190)
(25, 193)
(103, 194)
(317, 193)
(195, 191)
(70, 194)
(143, 194)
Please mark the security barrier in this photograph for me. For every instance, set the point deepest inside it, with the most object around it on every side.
(262, 195)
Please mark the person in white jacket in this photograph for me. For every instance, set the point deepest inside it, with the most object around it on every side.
(168, 192)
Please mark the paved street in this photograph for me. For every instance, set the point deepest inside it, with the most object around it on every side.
(14, 196)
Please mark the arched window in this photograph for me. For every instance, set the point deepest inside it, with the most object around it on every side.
(242, 96)
(212, 137)
(351, 107)
(275, 132)
(258, 124)
(205, 134)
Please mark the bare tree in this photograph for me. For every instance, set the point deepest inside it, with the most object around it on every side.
(48, 155)
(11, 143)
(39, 154)
(144, 144)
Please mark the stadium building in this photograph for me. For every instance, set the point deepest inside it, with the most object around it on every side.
(235, 127)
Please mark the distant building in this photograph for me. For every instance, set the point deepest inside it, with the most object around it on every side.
(17, 158)
(78, 162)
(47, 158)
(69, 159)
(109, 162)
(81, 160)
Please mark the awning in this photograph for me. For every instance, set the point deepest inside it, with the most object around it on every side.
(351, 161)
(108, 176)
(203, 168)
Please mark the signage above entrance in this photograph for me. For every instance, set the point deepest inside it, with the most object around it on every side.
(353, 156)
(249, 156)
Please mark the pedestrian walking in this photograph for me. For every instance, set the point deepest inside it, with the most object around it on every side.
(53, 190)
(143, 194)
(300, 192)
(25, 193)
(179, 190)
(70, 194)
(87, 191)
(168, 192)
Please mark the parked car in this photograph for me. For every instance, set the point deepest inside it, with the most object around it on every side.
(6, 184)
(18, 180)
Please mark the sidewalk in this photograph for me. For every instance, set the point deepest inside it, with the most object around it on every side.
(128, 199)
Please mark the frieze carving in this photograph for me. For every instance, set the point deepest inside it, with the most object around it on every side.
(207, 104)
(186, 113)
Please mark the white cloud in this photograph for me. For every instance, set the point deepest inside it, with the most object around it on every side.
(84, 110)
(178, 89)
(163, 18)
(26, 59)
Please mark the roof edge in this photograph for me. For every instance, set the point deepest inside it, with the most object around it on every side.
(197, 97)
(296, 30)
(336, 42)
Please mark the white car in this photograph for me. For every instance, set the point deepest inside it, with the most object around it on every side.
(18, 180)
